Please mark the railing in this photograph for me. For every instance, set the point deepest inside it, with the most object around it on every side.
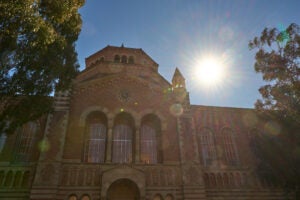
(15, 177)
(90, 174)
(228, 178)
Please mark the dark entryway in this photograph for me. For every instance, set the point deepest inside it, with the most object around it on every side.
(123, 189)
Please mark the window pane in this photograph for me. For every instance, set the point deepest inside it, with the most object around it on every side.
(122, 144)
(117, 58)
(229, 147)
(95, 144)
(25, 141)
(207, 146)
(148, 144)
(124, 59)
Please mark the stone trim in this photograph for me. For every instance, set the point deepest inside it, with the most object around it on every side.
(90, 109)
(123, 172)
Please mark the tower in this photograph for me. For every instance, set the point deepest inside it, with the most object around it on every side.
(179, 89)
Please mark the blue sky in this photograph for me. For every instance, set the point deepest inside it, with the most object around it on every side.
(177, 33)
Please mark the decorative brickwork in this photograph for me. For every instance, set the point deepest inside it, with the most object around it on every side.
(152, 143)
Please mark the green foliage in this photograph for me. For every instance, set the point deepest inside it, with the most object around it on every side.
(278, 60)
(37, 53)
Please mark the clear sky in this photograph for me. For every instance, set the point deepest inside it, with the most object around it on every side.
(179, 33)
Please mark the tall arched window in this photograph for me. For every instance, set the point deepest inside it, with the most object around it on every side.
(207, 145)
(150, 132)
(131, 60)
(229, 147)
(123, 139)
(95, 140)
(25, 140)
(117, 58)
(101, 59)
(124, 59)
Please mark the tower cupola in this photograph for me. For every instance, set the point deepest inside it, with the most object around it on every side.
(178, 81)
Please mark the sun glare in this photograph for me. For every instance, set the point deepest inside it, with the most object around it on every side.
(209, 71)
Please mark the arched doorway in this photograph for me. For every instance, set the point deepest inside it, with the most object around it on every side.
(123, 189)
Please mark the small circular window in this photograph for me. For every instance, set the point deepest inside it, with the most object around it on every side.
(124, 95)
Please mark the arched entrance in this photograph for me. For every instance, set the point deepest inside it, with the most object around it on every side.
(123, 189)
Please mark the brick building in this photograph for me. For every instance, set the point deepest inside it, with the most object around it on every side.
(125, 132)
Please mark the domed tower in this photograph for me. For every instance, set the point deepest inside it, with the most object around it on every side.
(179, 89)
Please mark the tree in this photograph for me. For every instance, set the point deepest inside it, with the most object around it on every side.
(37, 56)
(278, 60)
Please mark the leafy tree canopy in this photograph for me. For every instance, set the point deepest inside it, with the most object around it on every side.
(37, 55)
(278, 60)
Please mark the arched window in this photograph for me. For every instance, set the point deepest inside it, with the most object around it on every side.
(117, 58)
(123, 139)
(85, 197)
(207, 145)
(150, 132)
(72, 197)
(169, 197)
(124, 59)
(229, 147)
(131, 60)
(157, 197)
(25, 142)
(95, 140)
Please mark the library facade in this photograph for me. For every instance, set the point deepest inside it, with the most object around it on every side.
(124, 132)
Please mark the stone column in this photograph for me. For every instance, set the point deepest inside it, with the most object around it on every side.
(137, 145)
(109, 145)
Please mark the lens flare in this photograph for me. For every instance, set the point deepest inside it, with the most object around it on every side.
(210, 71)
(44, 145)
(176, 109)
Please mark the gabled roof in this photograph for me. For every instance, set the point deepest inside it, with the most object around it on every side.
(136, 51)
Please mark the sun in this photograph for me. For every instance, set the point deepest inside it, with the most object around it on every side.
(209, 71)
